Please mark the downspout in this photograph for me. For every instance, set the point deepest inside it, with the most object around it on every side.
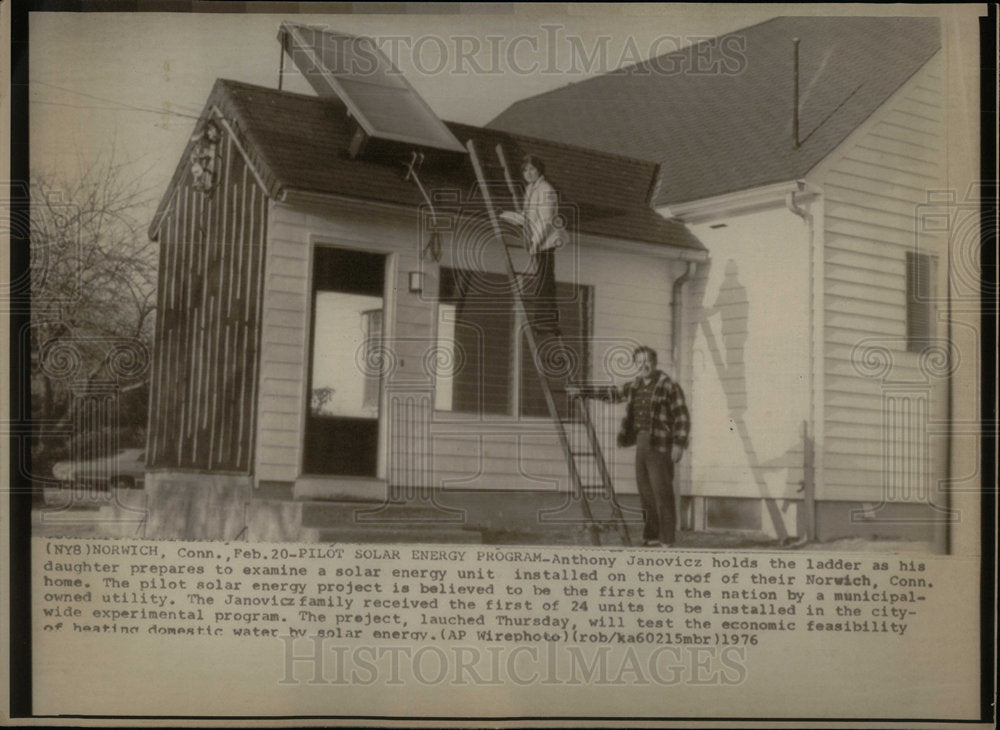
(795, 94)
(942, 535)
(794, 206)
(811, 464)
(676, 326)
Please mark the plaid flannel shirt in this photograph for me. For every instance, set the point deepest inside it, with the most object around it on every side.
(671, 420)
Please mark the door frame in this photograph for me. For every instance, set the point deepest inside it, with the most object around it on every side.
(388, 329)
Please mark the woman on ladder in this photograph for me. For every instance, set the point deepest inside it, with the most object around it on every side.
(544, 232)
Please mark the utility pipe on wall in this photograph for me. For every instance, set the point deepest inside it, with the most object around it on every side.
(676, 308)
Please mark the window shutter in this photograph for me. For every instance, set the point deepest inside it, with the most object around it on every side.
(918, 305)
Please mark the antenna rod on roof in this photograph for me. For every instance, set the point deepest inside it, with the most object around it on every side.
(795, 94)
(281, 64)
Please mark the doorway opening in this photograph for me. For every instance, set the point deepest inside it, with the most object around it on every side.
(345, 384)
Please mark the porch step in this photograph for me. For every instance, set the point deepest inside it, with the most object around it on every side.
(366, 515)
(340, 489)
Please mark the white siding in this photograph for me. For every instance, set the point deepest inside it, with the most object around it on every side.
(631, 305)
(873, 187)
(750, 364)
(284, 346)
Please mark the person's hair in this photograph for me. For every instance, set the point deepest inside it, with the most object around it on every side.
(535, 163)
(649, 351)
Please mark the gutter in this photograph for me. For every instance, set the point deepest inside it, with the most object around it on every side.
(735, 203)
(298, 196)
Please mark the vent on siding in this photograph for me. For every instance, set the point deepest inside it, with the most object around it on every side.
(729, 513)
(918, 300)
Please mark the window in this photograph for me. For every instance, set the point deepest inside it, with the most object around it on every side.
(919, 324)
(574, 320)
(484, 364)
(481, 323)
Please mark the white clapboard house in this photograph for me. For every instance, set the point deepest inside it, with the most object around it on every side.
(338, 355)
(807, 155)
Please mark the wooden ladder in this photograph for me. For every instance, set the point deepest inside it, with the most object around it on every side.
(573, 446)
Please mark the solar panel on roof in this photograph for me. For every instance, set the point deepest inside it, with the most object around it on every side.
(379, 97)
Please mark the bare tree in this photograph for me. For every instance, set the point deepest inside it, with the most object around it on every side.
(93, 291)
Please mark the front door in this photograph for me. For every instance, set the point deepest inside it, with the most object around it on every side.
(344, 375)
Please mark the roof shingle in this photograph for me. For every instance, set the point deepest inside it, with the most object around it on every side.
(300, 142)
(730, 129)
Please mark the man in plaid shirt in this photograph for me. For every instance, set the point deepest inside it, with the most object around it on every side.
(658, 423)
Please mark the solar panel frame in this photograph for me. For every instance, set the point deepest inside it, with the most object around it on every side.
(414, 110)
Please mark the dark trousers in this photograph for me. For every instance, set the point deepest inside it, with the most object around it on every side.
(654, 473)
(540, 292)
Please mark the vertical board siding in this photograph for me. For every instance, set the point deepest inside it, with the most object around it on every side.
(873, 450)
(205, 364)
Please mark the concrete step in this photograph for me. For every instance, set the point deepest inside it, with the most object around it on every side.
(388, 522)
(365, 515)
(336, 489)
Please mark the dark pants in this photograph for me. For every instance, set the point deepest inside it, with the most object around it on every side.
(654, 473)
(540, 292)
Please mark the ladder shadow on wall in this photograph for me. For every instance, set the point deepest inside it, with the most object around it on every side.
(733, 306)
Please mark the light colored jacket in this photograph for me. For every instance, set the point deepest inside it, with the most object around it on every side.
(541, 206)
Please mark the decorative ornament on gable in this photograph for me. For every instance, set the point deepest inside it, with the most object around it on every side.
(205, 157)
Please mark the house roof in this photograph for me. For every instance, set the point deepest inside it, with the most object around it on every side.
(300, 142)
(717, 115)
